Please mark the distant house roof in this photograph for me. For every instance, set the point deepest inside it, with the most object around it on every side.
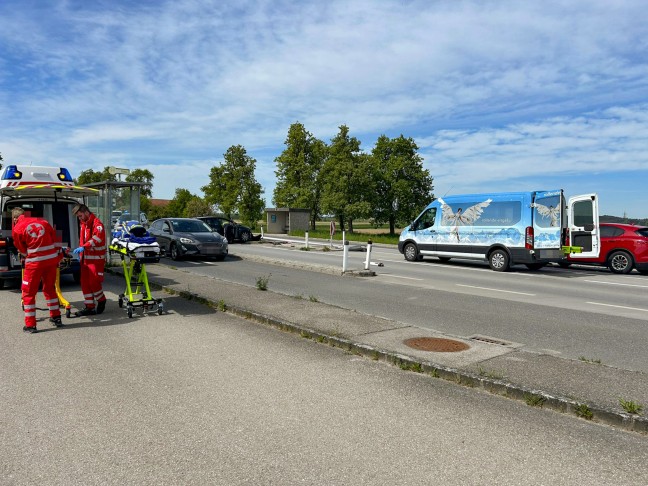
(159, 202)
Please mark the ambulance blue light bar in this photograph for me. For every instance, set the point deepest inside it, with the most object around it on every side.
(11, 173)
(64, 175)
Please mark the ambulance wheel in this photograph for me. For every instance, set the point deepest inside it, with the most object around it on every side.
(130, 311)
(411, 252)
(120, 302)
(499, 260)
(620, 262)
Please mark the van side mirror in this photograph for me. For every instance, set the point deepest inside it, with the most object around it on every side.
(414, 226)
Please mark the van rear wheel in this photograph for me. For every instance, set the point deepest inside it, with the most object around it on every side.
(411, 252)
(499, 261)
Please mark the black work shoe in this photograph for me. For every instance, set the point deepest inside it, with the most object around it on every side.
(57, 321)
(85, 312)
(101, 305)
(30, 330)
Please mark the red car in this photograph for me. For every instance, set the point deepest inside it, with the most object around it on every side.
(623, 247)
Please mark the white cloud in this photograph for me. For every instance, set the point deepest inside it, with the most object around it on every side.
(528, 88)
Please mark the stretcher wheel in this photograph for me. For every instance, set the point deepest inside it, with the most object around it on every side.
(120, 302)
(160, 308)
(130, 311)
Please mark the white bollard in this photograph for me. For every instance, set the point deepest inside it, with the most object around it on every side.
(307, 240)
(343, 237)
(261, 231)
(368, 260)
(345, 257)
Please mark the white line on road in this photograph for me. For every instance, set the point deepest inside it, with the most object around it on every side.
(399, 276)
(617, 283)
(494, 290)
(618, 306)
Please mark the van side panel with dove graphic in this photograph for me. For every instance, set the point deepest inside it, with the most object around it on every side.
(501, 228)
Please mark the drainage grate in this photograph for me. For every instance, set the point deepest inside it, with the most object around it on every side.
(490, 340)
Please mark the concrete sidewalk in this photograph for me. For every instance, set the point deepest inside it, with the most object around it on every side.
(587, 390)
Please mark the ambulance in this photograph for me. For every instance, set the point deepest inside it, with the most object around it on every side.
(504, 229)
(46, 192)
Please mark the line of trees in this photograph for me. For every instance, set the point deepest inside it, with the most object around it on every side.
(388, 185)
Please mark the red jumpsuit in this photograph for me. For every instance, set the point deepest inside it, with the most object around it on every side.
(93, 259)
(36, 239)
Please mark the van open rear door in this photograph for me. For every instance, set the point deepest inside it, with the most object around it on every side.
(584, 229)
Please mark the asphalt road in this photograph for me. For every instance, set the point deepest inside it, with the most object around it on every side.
(574, 313)
(200, 397)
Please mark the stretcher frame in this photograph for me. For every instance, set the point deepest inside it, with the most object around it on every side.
(137, 283)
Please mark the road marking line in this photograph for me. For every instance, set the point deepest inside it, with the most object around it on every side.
(494, 290)
(399, 276)
(618, 306)
(617, 283)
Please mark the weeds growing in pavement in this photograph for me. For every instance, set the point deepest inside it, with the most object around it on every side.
(631, 407)
(312, 298)
(326, 248)
(490, 374)
(262, 282)
(222, 306)
(587, 360)
(583, 411)
(305, 248)
(534, 400)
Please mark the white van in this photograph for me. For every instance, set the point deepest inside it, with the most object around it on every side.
(504, 229)
(46, 192)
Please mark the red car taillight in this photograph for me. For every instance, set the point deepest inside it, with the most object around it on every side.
(528, 240)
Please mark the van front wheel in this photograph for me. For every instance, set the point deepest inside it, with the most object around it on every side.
(411, 252)
(499, 261)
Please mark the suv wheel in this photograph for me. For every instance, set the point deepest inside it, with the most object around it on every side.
(620, 262)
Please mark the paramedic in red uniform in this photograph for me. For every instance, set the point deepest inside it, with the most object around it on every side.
(36, 239)
(92, 254)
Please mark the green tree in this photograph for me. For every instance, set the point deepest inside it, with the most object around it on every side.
(401, 186)
(197, 206)
(146, 192)
(298, 171)
(346, 179)
(0, 161)
(90, 176)
(176, 208)
(233, 187)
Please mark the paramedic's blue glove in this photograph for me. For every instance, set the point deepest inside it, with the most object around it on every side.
(78, 251)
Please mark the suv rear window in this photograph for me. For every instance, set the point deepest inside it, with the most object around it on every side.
(609, 231)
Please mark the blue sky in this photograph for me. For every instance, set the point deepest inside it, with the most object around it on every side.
(499, 95)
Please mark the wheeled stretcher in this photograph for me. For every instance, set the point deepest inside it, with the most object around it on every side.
(134, 257)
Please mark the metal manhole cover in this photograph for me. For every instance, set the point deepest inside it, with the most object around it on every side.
(439, 345)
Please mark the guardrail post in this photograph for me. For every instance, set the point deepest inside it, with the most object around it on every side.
(368, 260)
(345, 257)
